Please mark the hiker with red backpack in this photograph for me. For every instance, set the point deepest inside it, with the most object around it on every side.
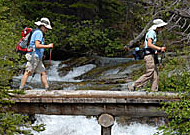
(34, 57)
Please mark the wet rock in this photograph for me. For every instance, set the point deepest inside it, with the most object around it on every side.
(72, 63)
(105, 61)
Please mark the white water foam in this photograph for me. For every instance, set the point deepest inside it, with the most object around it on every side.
(134, 129)
(80, 125)
(53, 74)
(68, 125)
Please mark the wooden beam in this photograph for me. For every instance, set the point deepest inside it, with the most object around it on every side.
(96, 94)
(92, 103)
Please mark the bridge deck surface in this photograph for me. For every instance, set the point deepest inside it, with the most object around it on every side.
(96, 96)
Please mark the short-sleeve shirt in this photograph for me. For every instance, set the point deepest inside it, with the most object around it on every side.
(37, 35)
(150, 34)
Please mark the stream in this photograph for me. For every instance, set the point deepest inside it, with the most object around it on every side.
(81, 125)
(97, 73)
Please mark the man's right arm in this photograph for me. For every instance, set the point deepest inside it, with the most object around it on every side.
(39, 45)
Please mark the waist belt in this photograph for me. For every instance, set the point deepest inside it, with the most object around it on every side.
(148, 51)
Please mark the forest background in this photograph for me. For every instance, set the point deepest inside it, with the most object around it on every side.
(98, 27)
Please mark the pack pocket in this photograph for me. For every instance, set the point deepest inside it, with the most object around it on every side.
(139, 55)
(28, 56)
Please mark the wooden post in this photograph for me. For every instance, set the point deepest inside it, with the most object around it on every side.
(106, 121)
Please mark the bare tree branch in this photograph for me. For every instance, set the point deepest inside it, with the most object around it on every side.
(179, 14)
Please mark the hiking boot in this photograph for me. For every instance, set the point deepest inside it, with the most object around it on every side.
(21, 88)
(47, 88)
(26, 87)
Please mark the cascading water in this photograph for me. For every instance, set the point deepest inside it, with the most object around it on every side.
(53, 75)
(80, 125)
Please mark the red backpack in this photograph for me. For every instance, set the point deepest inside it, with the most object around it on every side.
(22, 45)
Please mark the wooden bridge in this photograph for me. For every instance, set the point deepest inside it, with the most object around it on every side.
(105, 104)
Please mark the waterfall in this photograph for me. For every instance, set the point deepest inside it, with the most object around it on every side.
(81, 125)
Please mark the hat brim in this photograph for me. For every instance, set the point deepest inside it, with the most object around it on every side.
(162, 24)
(153, 27)
(45, 25)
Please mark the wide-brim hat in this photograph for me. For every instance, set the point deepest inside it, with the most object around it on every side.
(157, 23)
(45, 22)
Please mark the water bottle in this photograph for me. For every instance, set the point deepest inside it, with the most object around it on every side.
(137, 48)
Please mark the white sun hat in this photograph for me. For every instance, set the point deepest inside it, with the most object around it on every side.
(157, 23)
(45, 22)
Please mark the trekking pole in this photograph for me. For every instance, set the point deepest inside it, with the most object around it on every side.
(50, 51)
(162, 57)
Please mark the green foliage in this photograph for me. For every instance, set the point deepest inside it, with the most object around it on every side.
(175, 74)
(112, 11)
(88, 35)
(176, 77)
(16, 124)
(10, 123)
(82, 5)
(126, 18)
(176, 82)
(45, 9)
(179, 116)
(65, 14)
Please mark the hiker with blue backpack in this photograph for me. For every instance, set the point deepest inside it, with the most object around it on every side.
(150, 57)
(34, 57)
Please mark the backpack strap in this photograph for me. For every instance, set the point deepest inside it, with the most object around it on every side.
(29, 38)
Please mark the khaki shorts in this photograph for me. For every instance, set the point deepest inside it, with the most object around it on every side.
(34, 65)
